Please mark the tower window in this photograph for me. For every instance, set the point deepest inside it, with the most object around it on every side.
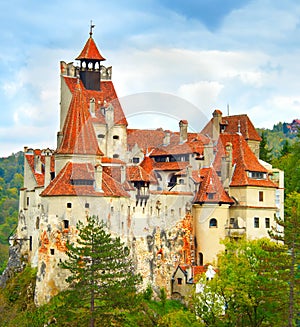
(267, 222)
(69, 205)
(66, 223)
(213, 223)
(256, 222)
(116, 137)
(87, 205)
(115, 156)
(135, 160)
(52, 251)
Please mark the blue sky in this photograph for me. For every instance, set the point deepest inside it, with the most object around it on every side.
(208, 52)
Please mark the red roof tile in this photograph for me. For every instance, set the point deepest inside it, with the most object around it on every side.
(62, 183)
(39, 176)
(232, 126)
(90, 51)
(107, 95)
(243, 161)
(210, 188)
(176, 165)
(78, 132)
(137, 173)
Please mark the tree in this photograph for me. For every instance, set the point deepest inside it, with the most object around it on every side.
(250, 288)
(288, 231)
(101, 272)
(265, 153)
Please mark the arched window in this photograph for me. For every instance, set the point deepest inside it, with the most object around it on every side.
(200, 259)
(213, 223)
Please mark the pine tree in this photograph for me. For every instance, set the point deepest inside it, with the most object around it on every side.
(288, 231)
(265, 153)
(101, 272)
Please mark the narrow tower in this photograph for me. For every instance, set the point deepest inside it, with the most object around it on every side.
(90, 64)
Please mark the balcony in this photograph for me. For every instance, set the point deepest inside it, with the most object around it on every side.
(235, 231)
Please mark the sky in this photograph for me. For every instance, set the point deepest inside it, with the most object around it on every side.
(171, 60)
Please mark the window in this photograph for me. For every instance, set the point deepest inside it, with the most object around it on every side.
(267, 222)
(179, 281)
(27, 200)
(69, 205)
(66, 223)
(52, 251)
(213, 223)
(135, 160)
(116, 137)
(181, 181)
(200, 259)
(256, 222)
(210, 196)
(101, 136)
(87, 205)
(261, 196)
(115, 156)
(37, 223)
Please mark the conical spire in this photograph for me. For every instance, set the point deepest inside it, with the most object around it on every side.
(78, 132)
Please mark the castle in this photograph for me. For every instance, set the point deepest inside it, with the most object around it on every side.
(170, 196)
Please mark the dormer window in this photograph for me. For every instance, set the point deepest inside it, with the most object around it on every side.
(257, 175)
(210, 196)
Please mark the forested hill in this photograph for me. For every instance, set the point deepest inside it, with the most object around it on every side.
(280, 138)
(11, 180)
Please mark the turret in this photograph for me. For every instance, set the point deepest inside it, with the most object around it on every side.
(90, 64)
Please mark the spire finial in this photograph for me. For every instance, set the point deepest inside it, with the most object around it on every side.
(91, 28)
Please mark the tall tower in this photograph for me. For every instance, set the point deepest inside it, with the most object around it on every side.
(90, 64)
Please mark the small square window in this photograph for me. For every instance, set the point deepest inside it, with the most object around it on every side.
(135, 160)
(87, 205)
(256, 222)
(52, 251)
(69, 205)
(179, 281)
(66, 223)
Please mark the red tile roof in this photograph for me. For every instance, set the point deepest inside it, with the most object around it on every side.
(210, 188)
(137, 173)
(62, 185)
(78, 132)
(39, 177)
(243, 161)
(106, 95)
(174, 165)
(90, 51)
(232, 122)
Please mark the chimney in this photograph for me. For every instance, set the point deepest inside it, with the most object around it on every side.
(92, 107)
(226, 166)
(123, 174)
(37, 162)
(183, 126)
(98, 178)
(109, 115)
(167, 137)
(217, 119)
(48, 156)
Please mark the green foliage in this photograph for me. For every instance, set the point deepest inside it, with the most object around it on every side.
(101, 273)
(251, 287)
(265, 153)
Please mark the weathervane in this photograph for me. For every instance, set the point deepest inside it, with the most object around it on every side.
(91, 28)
